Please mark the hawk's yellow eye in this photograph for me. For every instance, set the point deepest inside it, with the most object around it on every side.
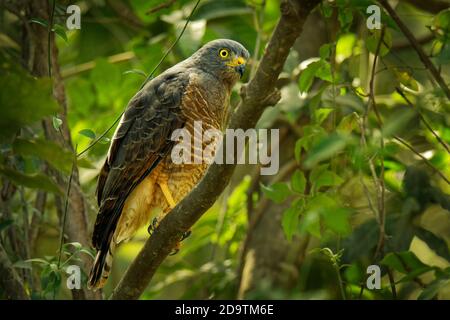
(223, 53)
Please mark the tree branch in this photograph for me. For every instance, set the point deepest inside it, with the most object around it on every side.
(422, 55)
(257, 95)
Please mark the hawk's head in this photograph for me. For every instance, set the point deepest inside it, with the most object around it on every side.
(224, 58)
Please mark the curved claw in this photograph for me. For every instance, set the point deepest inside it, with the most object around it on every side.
(186, 235)
(151, 228)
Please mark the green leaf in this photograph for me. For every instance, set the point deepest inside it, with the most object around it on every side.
(278, 192)
(334, 217)
(317, 171)
(4, 224)
(324, 71)
(307, 76)
(87, 133)
(347, 124)
(35, 181)
(325, 51)
(355, 274)
(433, 288)
(21, 264)
(220, 9)
(327, 10)
(399, 121)
(310, 223)
(320, 115)
(298, 182)
(76, 245)
(136, 71)
(345, 17)
(37, 260)
(434, 242)
(57, 122)
(337, 219)
(23, 99)
(344, 47)
(407, 80)
(325, 149)
(49, 151)
(298, 149)
(106, 87)
(404, 262)
(373, 40)
(40, 21)
(290, 218)
(60, 31)
(327, 179)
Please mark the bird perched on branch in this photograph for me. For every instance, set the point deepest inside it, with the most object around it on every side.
(139, 177)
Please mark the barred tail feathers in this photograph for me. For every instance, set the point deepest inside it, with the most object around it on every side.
(101, 267)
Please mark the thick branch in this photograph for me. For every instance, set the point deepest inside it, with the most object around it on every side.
(422, 55)
(259, 93)
(10, 281)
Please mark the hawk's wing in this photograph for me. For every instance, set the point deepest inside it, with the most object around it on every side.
(141, 140)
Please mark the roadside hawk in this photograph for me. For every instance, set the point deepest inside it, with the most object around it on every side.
(139, 177)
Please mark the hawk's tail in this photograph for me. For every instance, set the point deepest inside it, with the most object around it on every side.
(101, 268)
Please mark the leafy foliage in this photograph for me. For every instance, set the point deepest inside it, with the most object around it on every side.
(361, 170)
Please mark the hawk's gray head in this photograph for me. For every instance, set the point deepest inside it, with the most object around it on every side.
(224, 58)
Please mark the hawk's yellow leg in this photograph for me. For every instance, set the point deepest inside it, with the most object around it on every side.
(165, 190)
(168, 195)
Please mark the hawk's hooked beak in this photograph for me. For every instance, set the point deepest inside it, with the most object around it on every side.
(239, 65)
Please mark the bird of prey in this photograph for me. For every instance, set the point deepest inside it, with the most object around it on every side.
(139, 177)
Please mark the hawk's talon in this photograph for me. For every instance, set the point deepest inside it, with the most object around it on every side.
(151, 228)
(185, 235)
(174, 251)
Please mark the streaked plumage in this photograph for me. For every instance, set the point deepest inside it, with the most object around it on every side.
(138, 165)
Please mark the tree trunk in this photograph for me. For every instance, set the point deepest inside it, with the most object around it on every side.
(76, 227)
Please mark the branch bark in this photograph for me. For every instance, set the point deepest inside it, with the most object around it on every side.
(256, 96)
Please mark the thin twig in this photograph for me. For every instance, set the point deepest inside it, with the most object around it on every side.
(161, 6)
(422, 55)
(422, 118)
(49, 39)
(427, 162)
(173, 44)
(66, 207)
(381, 188)
(392, 283)
(116, 58)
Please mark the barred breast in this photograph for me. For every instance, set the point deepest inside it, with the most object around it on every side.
(203, 104)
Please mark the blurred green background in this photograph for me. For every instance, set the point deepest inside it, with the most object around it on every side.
(307, 233)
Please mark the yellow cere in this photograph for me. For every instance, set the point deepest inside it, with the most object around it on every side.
(236, 62)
